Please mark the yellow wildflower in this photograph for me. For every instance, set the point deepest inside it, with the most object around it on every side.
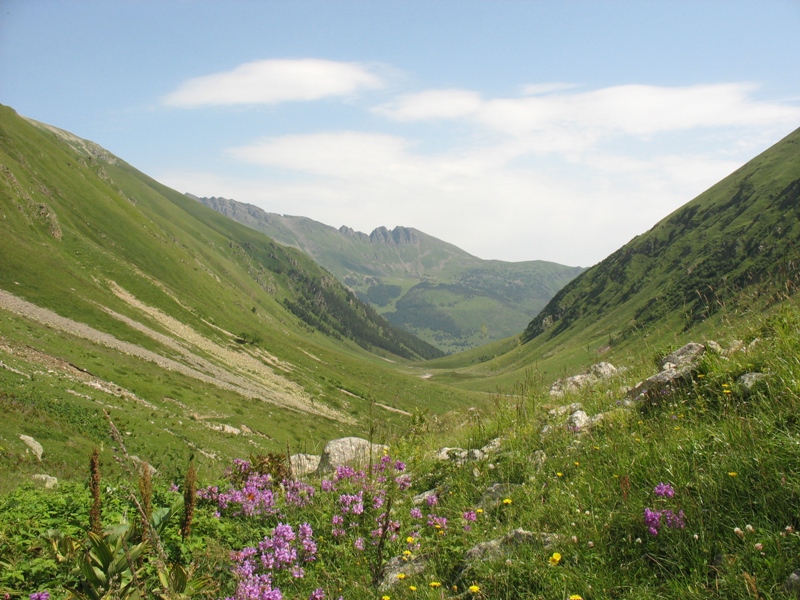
(507, 501)
(435, 584)
(474, 589)
(479, 511)
(575, 597)
(409, 540)
(559, 474)
(413, 588)
(386, 598)
(732, 473)
(555, 559)
(401, 575)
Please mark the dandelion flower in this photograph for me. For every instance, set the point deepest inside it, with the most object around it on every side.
(506, 500)
(386, 598)
(559, 474)
(732, 473)
(575, 597)
(435, 584)
(401, 575)
(474, 589)
(413, 588)
(479, 511)
(410, 540)
(555, 559)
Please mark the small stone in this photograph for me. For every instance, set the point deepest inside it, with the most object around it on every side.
(491, 446)
(397, 565)
(35, 446)
(49, 481)
(562, 410)
(423, 497)
(497, 492)
(578, 420)
(139, 462)
(748, 380)
(792, 583)
(714, 347)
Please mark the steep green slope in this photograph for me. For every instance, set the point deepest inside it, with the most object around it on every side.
(730, 251)
(431, 288)
(118, 293)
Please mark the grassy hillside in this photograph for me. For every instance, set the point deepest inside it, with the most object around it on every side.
(729, 253)
(692, 496)
(433, 289)
(199, 334)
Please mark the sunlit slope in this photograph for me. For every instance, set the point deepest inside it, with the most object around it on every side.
(730, 251)
(426, 286)
(105, 272)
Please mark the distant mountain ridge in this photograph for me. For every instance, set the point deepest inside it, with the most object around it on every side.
(429, 287)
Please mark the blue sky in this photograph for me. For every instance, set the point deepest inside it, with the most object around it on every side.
(515, 130)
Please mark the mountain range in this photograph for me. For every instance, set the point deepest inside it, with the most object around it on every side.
(438, 292)
(200, 334)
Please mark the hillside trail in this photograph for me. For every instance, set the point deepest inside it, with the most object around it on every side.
(272, 389)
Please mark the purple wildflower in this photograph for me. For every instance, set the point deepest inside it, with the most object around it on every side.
(40, 596)
(664, 490)
(317, 594)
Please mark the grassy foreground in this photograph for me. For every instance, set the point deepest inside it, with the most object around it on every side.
(697, 496)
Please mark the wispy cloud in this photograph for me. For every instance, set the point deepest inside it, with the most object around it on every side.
(274, 81)
(639, 110)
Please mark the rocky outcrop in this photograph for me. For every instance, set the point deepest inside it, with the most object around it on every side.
(399, 236)
(351, 451)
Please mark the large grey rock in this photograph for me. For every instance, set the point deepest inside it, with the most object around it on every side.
(352, 451)
(49, 481)
(687, 355)
(35, 446)
(304, 464)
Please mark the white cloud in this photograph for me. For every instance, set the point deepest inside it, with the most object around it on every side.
(433, 104)
(273, 81)
(566, 175)
(580, 118)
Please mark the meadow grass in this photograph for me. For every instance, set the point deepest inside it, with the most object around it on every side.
(728, 454)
